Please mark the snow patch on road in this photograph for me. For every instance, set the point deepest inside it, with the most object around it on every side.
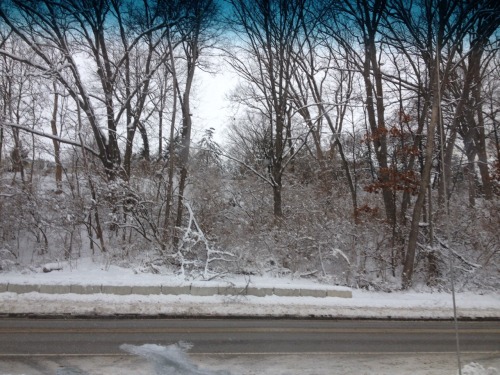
(474, 368)
(171, 359)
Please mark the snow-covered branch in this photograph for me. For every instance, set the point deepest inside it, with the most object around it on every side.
(456, 255)
(211, 254)
(50, 136)
(20, 59)
(225, 155)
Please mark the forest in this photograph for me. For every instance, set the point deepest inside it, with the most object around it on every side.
(362, 148)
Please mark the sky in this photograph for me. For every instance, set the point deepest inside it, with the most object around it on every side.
(211, 106)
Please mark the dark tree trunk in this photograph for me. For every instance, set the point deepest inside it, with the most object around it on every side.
(57, 147)
(409, 261)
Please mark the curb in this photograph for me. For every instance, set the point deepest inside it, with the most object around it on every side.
(189, 289)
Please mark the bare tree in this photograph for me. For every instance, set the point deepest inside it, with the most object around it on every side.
(185, 44)
(471, 122)
(56, 143)
(324, 75)
(356, 25)
(269, 32)
(4, 36)
(448, 23)
(19, 101)
(61, 32)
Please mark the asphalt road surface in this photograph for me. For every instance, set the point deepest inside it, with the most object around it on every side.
(229, 336)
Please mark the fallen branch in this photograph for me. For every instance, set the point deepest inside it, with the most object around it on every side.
(49, 267)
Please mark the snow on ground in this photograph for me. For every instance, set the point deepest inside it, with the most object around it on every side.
(172, 360)
(362, 305)
(175, 359)
(366, 304)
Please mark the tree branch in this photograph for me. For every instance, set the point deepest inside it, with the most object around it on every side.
(50, 136)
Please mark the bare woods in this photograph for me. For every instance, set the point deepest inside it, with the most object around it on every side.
(363, 148)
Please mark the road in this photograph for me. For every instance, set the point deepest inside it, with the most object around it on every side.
(320, 347)
(29, 336)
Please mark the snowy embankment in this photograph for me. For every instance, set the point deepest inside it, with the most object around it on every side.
(363, 304)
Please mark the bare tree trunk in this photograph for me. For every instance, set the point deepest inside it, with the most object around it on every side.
(163, 94)
(3, 115)
(375, 109)
(95, 208)
(277, 199)
(351, 183)
(16, 156)
(445, 169)
(170, 181)
(171, 151)
(145, 141)
(184, 100)
(131, 125)
(1, 145)
(461, 111)
(422, 115)
(493, 114)
(57, 146)
(480, 136)
(184, 156)
(277, 165)
(470, 177)
(408, 266)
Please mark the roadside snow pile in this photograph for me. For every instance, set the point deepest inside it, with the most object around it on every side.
(474, 368)
(171, 359)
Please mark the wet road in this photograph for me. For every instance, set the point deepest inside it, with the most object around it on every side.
(241, 336)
